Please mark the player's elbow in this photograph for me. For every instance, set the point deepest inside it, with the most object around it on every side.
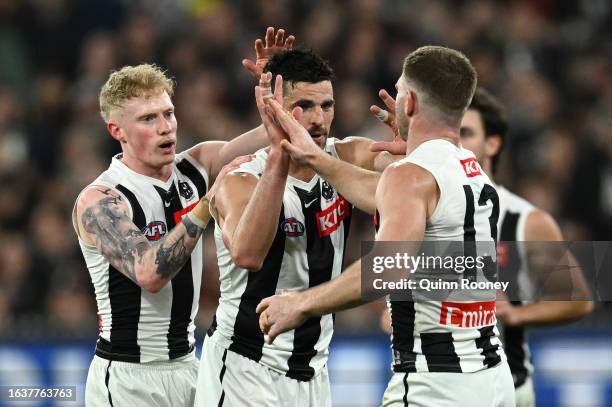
(583, 308)
(247, 261)
(151, 281)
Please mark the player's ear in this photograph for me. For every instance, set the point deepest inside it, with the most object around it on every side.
(411, 103)
(493, 145)
(115, 131)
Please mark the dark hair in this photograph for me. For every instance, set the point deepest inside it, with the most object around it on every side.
(493, 116)
(300, 65)
(445, 76)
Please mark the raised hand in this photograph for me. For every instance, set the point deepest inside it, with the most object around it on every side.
(300, 146)
(274, 43)
(397, 146)
(264, 97)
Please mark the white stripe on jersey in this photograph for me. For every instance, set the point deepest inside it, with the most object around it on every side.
(239, 331)
(151, 323)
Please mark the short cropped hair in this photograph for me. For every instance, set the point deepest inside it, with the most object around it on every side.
(445, 78)
(300, 65)
(494, 119)
(131, 82)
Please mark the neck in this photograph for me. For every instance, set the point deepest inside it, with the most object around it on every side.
(421, 131)
(161, 173)
(487, 166)
(301, 172)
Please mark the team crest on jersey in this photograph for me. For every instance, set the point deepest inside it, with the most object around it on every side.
(327, 191)
(154, 230)
(185, 190)
(293, 227)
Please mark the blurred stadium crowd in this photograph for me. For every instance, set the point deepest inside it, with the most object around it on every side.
(549, 61)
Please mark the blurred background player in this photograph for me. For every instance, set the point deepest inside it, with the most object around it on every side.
(139, 227)
(483, 131)
(426, 196)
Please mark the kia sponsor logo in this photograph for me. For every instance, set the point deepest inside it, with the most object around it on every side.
(292, 227)
(154, 230)
(329, 219)
(471, 167)
(467, 314)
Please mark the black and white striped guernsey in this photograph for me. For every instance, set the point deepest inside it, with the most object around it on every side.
(137, 325)
(448, 336)
(308, 250)
(514, 268)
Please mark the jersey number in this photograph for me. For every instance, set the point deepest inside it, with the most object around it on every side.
(487, 193)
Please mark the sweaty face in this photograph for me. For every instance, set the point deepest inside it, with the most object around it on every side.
(147, 131)
(473, 134)
(317, 102)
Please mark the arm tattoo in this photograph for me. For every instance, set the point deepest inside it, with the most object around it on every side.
(125, 247)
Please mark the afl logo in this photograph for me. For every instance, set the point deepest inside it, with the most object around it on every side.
(292, 227)
(154, 230)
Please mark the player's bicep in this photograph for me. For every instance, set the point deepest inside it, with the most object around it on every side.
(402, 198)
(103, 216)
(208, 154)
(356, 150)
(231, 200)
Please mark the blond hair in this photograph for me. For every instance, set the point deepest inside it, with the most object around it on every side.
(132, 82)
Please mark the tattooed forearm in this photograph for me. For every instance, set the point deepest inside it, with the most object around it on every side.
(172, 254)
(129, 251)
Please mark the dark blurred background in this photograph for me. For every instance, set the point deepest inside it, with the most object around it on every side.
(550, 62)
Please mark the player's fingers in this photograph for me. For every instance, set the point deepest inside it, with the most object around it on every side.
(273, 332)
(270, 37)
(387, 99)
(250, 66)
(278, 89)
(289, 42)
(263, 305)
(297, 113)
(380, 114)
(263, 322)
(280, 37)
(259, 48)
(389, 146)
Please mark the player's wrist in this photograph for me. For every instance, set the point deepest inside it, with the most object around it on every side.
(200, 214)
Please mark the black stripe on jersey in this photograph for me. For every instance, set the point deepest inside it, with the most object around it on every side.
(248, 340)
(489, 351)
(439, 352)
(124, 296)
(405, 398)
(514, 337)
(469, 231)
(191, 172)
(402, 324)
(320, 255)
(346, 225)
(182, 285)
(222, 398)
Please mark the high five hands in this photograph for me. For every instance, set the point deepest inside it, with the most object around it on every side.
(273, 44)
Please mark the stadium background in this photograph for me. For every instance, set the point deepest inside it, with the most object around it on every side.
(549, 61)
